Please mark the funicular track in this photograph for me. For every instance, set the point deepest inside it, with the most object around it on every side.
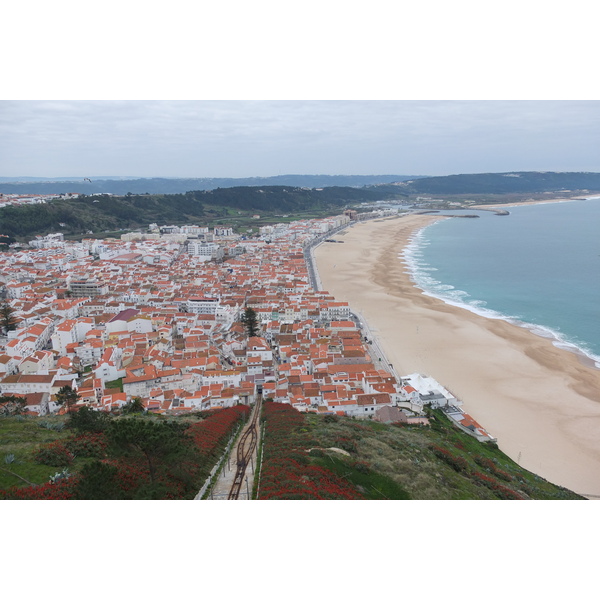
(245, 449)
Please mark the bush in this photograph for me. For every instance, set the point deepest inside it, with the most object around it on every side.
(346, 444)
(87, 445)
(51, 426)
(490, 466)
(54, 455)
(61, 490)
(86, 419)
(501, 491)
(317, 452)
(98, 481)
(456, 462)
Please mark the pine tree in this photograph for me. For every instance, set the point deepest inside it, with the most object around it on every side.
(67, 395)
(250, 321)
(7, 319)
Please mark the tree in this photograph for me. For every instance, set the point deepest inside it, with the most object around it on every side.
(7, 319)
(12, 405)
(88, 420)
(67, 395)
(134, 406)
(159, 444)
(250, 321)
(98, 481)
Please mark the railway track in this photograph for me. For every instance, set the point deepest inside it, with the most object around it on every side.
(245, 449)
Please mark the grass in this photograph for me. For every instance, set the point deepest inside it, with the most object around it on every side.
(23, 437)
(116, 384)
(372, 485)
(438, 462)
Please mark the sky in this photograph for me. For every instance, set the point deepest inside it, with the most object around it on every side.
(237, 138)
(238, 89)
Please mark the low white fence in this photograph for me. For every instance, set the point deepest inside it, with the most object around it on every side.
(216, 468)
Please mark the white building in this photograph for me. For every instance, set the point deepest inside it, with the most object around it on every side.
(203, 306)
(205, 250)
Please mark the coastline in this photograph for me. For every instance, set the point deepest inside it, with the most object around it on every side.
(530, 202)
(540, 401)
(586, 357)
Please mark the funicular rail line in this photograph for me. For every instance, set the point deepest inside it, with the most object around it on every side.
(245, 450)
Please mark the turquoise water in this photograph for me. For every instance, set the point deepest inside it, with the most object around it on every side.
(538, 267)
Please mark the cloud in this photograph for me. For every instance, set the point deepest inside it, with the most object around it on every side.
(243, 138)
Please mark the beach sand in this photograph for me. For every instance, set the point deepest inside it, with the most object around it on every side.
(542, 403)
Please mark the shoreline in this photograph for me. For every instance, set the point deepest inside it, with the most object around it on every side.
(531, 202)
(540, 401)
(585, 357)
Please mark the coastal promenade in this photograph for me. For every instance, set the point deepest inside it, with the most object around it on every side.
(539, 401)
(375, 351)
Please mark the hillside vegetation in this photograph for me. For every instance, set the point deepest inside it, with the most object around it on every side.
(305, 456)
(398, 462)
(97, 456)
(503, 183)
(225, 205)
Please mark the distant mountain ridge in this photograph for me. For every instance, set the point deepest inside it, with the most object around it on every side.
(475, 183)
(504, 183)
(166, 185)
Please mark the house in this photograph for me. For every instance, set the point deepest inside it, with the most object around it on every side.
(38, 403)
(8, 365)
(390, 414)
(38, 362)
(369, 403)
(23, 384)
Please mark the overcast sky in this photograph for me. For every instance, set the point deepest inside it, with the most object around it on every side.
(264, 138)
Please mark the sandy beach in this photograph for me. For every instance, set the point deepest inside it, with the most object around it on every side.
(542, 403)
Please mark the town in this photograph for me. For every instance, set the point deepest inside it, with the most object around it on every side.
(157, 316)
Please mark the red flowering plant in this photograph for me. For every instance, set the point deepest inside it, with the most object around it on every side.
(503, 492)
(213, 432)
(137, 458)
(490, 465)
(61, 490)
(55, 454)
(458, 463)
(287, 473)
(87, 445)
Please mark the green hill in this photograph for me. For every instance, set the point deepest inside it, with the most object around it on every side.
(421, 463)
(503, 183)
(376, 461)
(112, 213)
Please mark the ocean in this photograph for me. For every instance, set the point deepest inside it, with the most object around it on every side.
(538, 267)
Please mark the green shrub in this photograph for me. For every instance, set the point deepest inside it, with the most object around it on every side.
(458, 463)
(87, 445)
(54, 455)
(86, 419)
(51, 426)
